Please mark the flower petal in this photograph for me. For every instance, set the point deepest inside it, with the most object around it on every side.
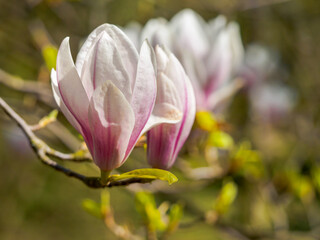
(70, 86)
(60, 103)
(236, 45)
(215, 26)
(157, 32)
(124, 46)
(82, 55)
(168, 105)
(144, 92)
(219, 63)
(166, 140)
(160, 141)
(106, 63)
(133, 31)
(197, 74)
(111, 122)
(175, 71)
(190, 34)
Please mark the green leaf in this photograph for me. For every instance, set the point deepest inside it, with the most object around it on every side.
(226, 197)
(146, 206)
(220, 139)
(154, 218)
(175, 215)
(300, 185)
(92, 207)
(49, 53)
(247, 162)
(51, 117)
(206, 121)
(146, 173)
(315, 174)
(142, 199)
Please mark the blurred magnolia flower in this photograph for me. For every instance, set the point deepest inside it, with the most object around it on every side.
(211, 53)
(174, 89)
(258, 65)
(271, 102)
(133, 31)
(108, 95)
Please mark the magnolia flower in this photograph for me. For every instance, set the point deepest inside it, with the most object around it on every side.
(259, 64)
(108, 95)
(174, 89)
(133, 31)
(211, 53)
(272, 102)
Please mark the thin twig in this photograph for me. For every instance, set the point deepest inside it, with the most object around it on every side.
(118, 230)
(43, 150)
(36, 142)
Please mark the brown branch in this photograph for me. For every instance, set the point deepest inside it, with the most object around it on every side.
(41, 90)
(43, 150)
(37, 143)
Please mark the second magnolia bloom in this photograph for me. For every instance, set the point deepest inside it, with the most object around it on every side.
(211, 53)
(109, 94)
(174, 89)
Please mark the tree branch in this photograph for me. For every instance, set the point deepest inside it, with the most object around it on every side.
(43, 150)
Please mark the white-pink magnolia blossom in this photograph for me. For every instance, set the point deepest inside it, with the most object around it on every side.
(211, 53)
(108, 95)
(174, 89)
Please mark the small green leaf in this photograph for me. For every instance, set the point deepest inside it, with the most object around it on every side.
(146, 206)
(82, 153)
(175, 215)
(51, 117)
(315, 174)
(49, 53)
(146, 173)
(155, 220)
(206, 121)
(300, 185)
(92, 207)
(226, 197)
(246, 161)
(220, 139)
(53, 114)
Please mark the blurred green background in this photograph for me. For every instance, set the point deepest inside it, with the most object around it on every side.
(38, 203)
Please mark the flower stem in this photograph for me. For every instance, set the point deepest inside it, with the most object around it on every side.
(104, 177)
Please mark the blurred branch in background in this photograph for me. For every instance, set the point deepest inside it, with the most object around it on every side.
(41, 90)
(253, 4)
